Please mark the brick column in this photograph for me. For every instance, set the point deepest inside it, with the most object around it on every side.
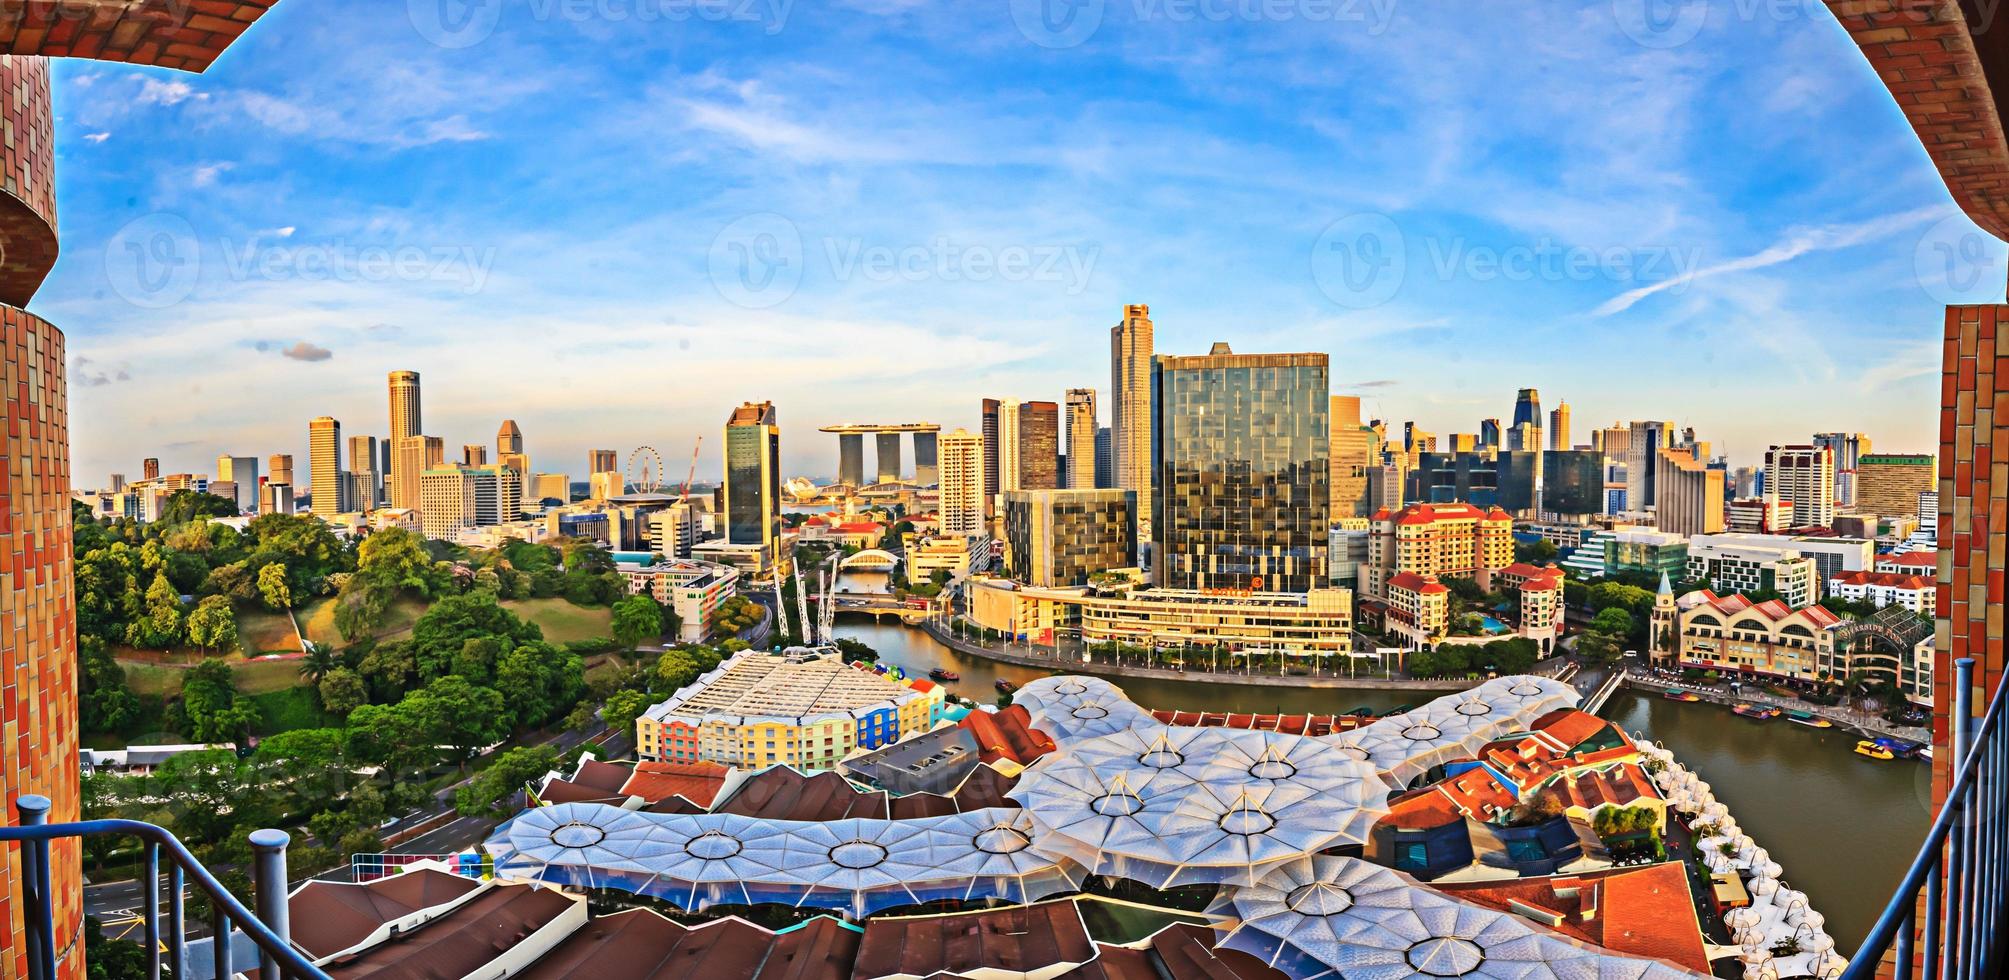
(1973, 510)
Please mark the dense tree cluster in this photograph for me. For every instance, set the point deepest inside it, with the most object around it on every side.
(1510, 656)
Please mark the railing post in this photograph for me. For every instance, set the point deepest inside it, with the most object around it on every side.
(152, 878)
(220, 947)
(268, 849)
(1958, 941)
(177, 925)
(38, 912)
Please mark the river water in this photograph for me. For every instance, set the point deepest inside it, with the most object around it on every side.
(1843, 826)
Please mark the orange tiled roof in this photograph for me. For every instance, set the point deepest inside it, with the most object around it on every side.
(1645, 911)
(1416, 583)
(698, 782)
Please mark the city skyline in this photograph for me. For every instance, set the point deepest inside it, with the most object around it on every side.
(1616, 148)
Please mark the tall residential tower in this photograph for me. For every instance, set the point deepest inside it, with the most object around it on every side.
(1130, 347)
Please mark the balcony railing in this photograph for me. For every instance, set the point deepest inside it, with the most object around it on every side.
(1960, 869)
(165, 930)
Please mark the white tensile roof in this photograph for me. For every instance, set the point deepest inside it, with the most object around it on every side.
(1177, 806)
(1068, 707)
(859, 865)
(1329, 916)
(1408, 745)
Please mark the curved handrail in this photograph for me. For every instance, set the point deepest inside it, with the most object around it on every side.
(1902, 905)
(292, 960)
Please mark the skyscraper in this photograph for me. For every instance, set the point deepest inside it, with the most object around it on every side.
(474, 454)
(1643, 443)
(1038, 446)
(1130, 347)
(887, 455)
(1528, 409)
(1688, 494)
(993, 431)
(602, 461)
(509, 453)
(279, 468)
(241, 472)
(1105, 459)
(150, 468)
(1352, 446)
(753, 479)
(1081, 431)
(404, 404)
(851, 459)
(324, 466)
(363, 464)
(1240, 450)
(1847, 450)
(1489, 434)
(963, 492)
(1559, 427)
(925, 459)
(411, 457)
(1804, 475)
(508, 439)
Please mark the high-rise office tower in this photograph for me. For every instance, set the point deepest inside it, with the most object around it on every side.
(150, 468)
(1847, 449)
(1528, 409)
(241, 472)
(118, 482)
(753, 479)
(405, 404)
(1489, 434)
(1643, 443)
(1352, 446)
(1130, 347)
(1416, 440)
(410, 459)
(1688, 494)
(1888, 485)
(1038, 446)
(1081, 430)
(1559, 427)
(1804, 475)
(474, 454)
(1105, 459)
(509, 453)
(1240, 448)
(324, 466)
(363, 463)
(1061, 538)
(602, 461)
(993, 434)
(279, 468)
(963, 492)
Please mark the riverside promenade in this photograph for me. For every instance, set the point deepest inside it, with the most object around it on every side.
(1068, 660)
(1860, 722)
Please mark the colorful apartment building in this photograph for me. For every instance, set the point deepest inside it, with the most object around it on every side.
(805, 709)
(1442, 540)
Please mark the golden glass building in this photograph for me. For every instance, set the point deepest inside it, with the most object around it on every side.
(1062, 537)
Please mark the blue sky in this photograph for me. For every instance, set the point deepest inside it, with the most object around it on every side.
(613, 219)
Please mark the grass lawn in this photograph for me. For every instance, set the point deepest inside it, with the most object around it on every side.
(564, 622)
(263, 631)
(253, 676)
(317, 620)
(291, 708)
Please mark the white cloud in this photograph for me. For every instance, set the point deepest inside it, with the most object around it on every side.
(97, 137)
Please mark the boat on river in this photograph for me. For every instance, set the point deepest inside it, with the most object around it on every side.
(1689, 696)
(1756, 712)
(1808, 719)
(944, 674)
(1006, 687)
(1871, 748)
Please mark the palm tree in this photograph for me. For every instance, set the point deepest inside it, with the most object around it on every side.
(318, 662)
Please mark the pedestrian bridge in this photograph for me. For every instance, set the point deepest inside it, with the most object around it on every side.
(870, 558)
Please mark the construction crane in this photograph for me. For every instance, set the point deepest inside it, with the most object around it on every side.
(684, 496)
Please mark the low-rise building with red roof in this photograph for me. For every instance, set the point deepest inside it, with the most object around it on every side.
(1647, 911)
(1731, 633)
(1918, 593)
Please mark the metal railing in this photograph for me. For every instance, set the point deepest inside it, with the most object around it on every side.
(1961, 867)
(165, 931)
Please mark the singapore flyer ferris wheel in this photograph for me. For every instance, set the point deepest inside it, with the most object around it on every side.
(645, 470)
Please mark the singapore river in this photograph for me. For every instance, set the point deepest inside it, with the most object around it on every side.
(1843, 826)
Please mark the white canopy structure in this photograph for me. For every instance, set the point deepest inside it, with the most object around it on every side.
(858, 865)
(1179, 806)
(1069, 707)
(1408, 745)
(1331, 917)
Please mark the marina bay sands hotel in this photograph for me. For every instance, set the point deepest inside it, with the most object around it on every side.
(851, 452)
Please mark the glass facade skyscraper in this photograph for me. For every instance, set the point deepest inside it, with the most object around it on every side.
(1239, 457)
(753, 477)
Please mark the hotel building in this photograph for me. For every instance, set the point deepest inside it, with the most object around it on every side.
(1542, 607)
(1437, 540)
(693, 589)
(803, 710)
(1130, 409)
(1062, 537)
(1415, 607)
(1889, 484)
(1310, 624)
(1804, 475)
(960, 498)
(753, 486)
